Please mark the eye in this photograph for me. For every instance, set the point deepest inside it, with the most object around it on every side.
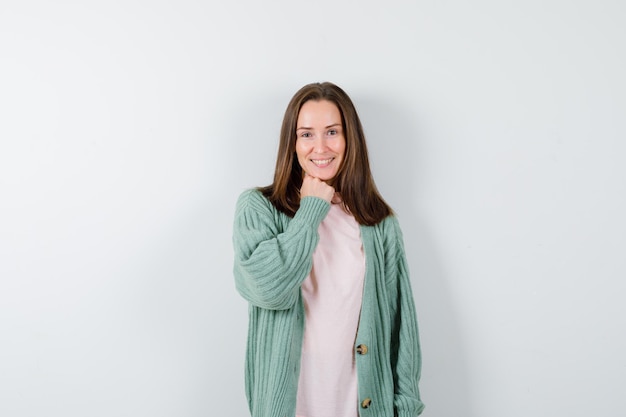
(306, 135)
(332, 132)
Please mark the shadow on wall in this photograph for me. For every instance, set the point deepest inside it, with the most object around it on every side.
(396, 149)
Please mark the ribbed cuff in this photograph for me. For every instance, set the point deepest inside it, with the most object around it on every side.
(312, 210)
(412, 413)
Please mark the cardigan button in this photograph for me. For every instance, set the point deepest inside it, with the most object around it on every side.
(366, 403)
(361, 349)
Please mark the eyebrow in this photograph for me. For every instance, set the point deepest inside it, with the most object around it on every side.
(327, 127)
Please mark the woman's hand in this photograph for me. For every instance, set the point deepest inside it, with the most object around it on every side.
(314, 187)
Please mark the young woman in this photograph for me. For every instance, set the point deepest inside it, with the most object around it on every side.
(319, 257)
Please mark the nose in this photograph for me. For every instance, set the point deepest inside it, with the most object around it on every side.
(319, 146)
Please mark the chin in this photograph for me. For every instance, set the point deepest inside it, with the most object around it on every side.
(325, 175)
(327, 178)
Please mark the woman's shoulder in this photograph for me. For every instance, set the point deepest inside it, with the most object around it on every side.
(254, 200)
(388, 223)
(389, 228)
(252, 196)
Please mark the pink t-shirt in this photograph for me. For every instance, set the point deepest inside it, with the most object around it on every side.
(332, 296)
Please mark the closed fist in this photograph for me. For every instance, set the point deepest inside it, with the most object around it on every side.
(314, 187)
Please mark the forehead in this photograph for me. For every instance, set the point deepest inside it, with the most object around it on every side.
(319, 112)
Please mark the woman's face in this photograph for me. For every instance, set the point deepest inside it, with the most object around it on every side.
(320, 143)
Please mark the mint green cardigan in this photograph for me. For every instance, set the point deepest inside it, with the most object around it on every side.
(273, 255)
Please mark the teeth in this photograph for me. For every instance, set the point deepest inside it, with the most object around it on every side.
(321, 161)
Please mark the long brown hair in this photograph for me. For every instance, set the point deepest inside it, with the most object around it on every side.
(354, 179)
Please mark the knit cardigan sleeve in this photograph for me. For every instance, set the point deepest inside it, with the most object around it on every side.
(406, 358)
(271, 263)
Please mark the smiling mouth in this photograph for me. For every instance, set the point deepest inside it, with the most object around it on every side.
(322, 162)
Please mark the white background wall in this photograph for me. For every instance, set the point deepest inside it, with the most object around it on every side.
(128, 128)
